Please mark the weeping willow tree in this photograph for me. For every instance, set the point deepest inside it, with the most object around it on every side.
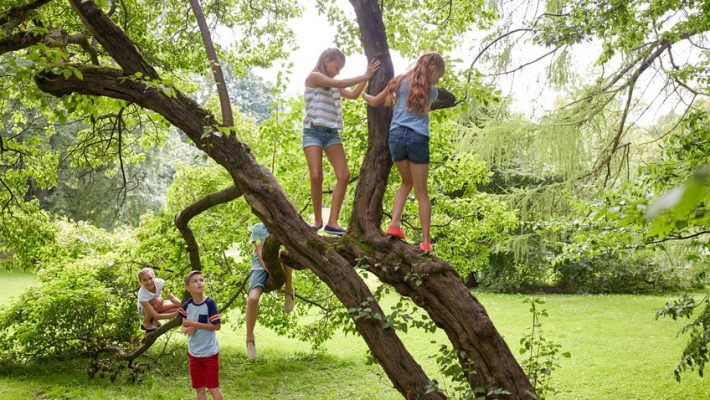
(587, 180)
(587, 141)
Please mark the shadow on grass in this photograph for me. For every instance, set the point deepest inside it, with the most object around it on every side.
(276, 374)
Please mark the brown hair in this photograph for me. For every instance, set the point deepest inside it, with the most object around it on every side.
(190, 275)
(328, 55)
(419, 84)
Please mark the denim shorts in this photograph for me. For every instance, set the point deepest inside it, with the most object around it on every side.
(406, 144)
(257, 278)
(320, 136)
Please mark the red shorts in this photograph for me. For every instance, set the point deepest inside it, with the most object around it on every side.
(204, 371)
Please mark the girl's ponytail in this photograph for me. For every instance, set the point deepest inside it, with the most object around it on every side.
(420, 83)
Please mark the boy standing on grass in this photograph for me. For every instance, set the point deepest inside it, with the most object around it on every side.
(200, 320)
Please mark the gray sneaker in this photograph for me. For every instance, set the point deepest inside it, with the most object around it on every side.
(251, 350)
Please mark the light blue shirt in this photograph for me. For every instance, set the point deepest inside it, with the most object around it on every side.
(258, 232)
(203, 343)
(402, 118)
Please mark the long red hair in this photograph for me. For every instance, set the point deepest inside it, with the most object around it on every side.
(419, 82)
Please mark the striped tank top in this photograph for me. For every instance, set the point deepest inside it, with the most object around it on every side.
(323, 108)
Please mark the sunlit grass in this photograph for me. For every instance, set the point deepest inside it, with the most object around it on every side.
(619, 351)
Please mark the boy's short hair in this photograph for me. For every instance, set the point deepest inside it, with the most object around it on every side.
(143, 271)
(190, 275)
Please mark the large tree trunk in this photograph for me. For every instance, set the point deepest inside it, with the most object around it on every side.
(441, 292)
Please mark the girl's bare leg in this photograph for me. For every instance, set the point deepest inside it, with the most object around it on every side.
(400, 198)
(420, 173)
(336, 156)
(314, 158)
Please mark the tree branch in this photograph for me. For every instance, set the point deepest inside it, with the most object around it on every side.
(183, 218)
(494, 41)
(113, 39)
(225, 104)
(669, 238)
(445, 99)
(553, 51)
(82, 41)
(12, 18)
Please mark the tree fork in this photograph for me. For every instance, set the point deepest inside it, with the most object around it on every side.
(182, 219)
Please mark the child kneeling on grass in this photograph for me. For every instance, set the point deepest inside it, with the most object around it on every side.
(200, 320)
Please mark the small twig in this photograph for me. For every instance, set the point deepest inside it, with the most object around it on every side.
(553, 51)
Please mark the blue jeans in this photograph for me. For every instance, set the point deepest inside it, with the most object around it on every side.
(320, 136)
(406, 144)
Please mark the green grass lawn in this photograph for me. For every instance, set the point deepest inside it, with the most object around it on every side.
(619, 351)
(13, 283)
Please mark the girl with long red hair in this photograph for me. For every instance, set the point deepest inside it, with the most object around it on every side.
(411, 95)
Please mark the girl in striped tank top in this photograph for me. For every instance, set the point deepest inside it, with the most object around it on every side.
(321, 126)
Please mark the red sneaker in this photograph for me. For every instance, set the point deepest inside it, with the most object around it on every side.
(396, 232)
(425, 247)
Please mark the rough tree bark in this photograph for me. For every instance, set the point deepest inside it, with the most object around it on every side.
(441, 292)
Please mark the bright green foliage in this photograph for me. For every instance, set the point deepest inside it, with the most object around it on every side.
(679, 181)
(623, 25)
(696, 352)
(28, 235)
(82, 303)
(413, 26)
(166, 35)
(540, 355)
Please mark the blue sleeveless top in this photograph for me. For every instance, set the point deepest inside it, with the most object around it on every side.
(402, 118)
